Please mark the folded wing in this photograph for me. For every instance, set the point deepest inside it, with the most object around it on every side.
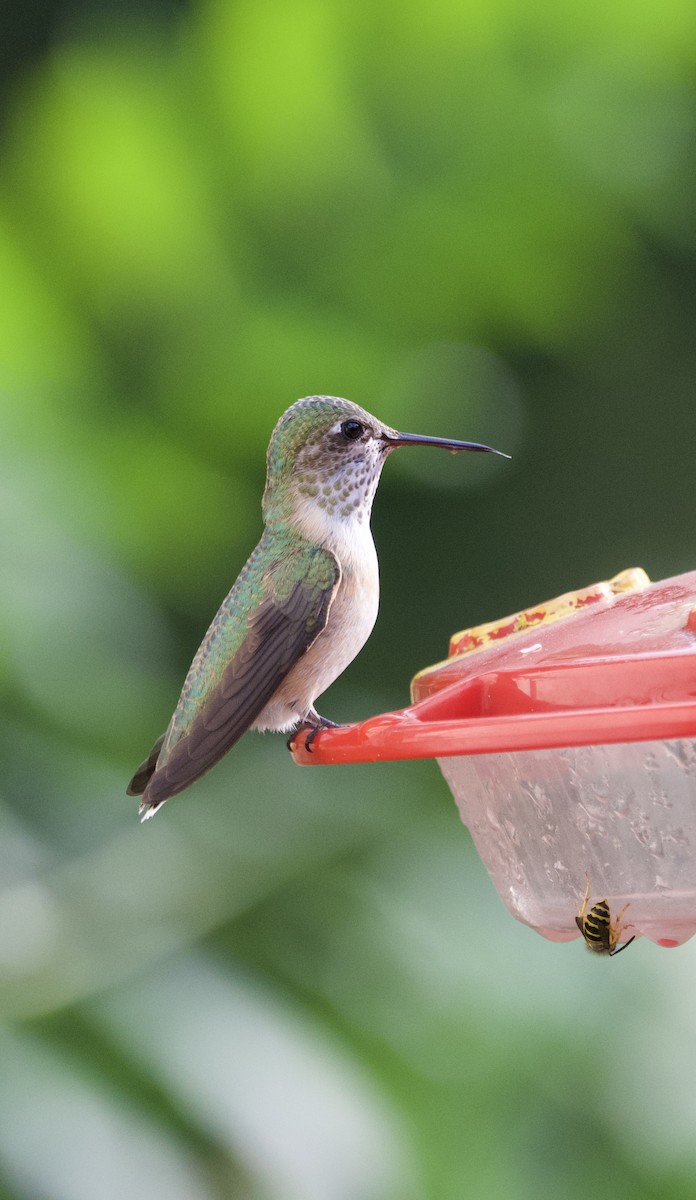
(278, 633)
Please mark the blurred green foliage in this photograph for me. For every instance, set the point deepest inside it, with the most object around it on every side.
(476, 220)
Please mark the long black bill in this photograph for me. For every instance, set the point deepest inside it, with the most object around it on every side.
(415, 439)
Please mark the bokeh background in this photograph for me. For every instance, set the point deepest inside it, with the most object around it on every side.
(477, 220)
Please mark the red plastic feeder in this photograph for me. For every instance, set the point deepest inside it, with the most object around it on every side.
(567, 734)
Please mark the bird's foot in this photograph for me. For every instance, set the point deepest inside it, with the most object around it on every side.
(321, 723)
(316, 724)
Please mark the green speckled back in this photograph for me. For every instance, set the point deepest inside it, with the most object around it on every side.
(280, 559)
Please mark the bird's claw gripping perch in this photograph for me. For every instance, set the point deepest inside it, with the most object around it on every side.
(314, 728)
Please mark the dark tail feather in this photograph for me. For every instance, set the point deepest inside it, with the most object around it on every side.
(146, 770)
(148, 808)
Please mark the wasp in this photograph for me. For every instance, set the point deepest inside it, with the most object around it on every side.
(601, 934)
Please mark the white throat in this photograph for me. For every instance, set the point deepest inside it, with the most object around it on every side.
(348, 536)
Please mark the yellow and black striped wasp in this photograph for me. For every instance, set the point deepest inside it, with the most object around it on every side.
(601, 934)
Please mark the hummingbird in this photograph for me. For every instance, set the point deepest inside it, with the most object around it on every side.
(304, 603)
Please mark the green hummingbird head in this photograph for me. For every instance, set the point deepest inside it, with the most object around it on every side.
(325, 453)
(325, 458)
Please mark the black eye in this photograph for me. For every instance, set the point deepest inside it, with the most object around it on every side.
(352, 429)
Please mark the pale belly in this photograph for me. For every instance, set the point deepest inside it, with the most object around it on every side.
(351, 619)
